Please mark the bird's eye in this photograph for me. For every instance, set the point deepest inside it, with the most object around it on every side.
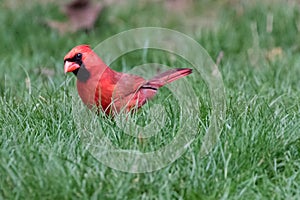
(78, 56)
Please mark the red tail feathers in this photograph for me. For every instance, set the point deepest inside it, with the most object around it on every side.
(168, 77)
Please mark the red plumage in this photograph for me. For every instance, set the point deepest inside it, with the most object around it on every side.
(109, 90)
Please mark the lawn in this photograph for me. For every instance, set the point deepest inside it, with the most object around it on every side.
(42, 155)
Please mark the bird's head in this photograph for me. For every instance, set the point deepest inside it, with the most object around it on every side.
(84, 63)
(73, 61)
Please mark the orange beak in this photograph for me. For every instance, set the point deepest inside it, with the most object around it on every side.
(70, 66)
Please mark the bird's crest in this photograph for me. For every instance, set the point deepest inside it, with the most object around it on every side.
(84, 48)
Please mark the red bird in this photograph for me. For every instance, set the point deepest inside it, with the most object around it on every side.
(109, 90)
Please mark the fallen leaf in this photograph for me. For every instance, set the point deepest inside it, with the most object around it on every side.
(275, 53)
(82, 15)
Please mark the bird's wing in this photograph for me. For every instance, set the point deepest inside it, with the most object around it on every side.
(127, 93)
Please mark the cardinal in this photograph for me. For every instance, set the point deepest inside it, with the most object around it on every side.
(111, 91)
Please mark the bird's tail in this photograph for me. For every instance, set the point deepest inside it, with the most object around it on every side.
(168, 77)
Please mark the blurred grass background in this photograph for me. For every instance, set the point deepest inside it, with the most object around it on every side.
(258, 153)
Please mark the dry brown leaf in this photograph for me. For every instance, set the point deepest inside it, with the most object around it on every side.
(275, 53)
(82, 15)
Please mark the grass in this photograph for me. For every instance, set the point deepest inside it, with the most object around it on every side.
(257, 157)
